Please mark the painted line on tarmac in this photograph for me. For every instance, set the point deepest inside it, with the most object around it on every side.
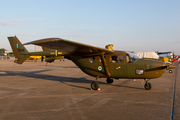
(100, 103)
(174, 96)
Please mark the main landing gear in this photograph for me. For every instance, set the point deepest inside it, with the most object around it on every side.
(109, 81)
(95, 84)
(147, 85)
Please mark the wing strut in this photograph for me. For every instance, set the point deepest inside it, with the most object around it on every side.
(104, 64)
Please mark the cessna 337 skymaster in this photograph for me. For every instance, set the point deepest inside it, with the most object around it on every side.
(95, 61)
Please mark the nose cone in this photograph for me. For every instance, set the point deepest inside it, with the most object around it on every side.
(171, 67)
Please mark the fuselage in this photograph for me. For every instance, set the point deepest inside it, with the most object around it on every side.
(119, 65)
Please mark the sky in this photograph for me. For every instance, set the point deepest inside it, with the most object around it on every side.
(130, 25)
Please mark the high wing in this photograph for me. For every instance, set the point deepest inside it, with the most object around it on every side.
(70, 48)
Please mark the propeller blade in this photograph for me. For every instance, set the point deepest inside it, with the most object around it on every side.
(157, 68)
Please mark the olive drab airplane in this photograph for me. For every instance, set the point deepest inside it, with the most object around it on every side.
(95, 61)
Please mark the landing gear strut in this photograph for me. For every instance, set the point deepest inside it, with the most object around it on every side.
(147, 85)
(109, 80)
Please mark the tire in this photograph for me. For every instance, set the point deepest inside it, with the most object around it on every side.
(109, 81)
(147, 86)
(94, 85)
(170, 71)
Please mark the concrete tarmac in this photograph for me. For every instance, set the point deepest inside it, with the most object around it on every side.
(61, 91)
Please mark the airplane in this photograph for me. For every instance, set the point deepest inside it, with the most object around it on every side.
(166, 56)
(35, 58)
(95, 61)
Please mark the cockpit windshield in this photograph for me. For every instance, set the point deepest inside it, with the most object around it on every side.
(132, 57)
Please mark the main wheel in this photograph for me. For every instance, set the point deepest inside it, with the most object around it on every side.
(147, 86)
(109, 80)
(94, 85)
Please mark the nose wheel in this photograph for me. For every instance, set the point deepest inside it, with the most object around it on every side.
(147, 86)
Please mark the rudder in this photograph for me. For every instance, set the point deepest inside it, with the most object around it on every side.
(20, 52)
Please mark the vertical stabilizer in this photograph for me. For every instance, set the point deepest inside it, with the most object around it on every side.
(20, 52)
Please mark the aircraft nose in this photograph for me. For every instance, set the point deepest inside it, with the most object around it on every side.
(162, 65)
(171, 66)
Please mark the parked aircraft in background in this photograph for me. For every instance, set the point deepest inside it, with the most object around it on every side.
(166, 56)
(35, 58)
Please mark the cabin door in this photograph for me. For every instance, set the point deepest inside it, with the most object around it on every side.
(118, 66)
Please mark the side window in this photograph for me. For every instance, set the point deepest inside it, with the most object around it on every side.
(113, 59)
(92, 59)
(121, 58)
(117, 59)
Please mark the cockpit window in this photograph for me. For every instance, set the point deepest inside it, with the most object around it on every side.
(130, 57)
(117, 59)
(92, 59)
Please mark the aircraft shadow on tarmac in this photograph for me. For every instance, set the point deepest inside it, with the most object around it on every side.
(58, 66)
(64, 80)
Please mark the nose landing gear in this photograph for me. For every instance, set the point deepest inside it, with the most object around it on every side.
(147, 85)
